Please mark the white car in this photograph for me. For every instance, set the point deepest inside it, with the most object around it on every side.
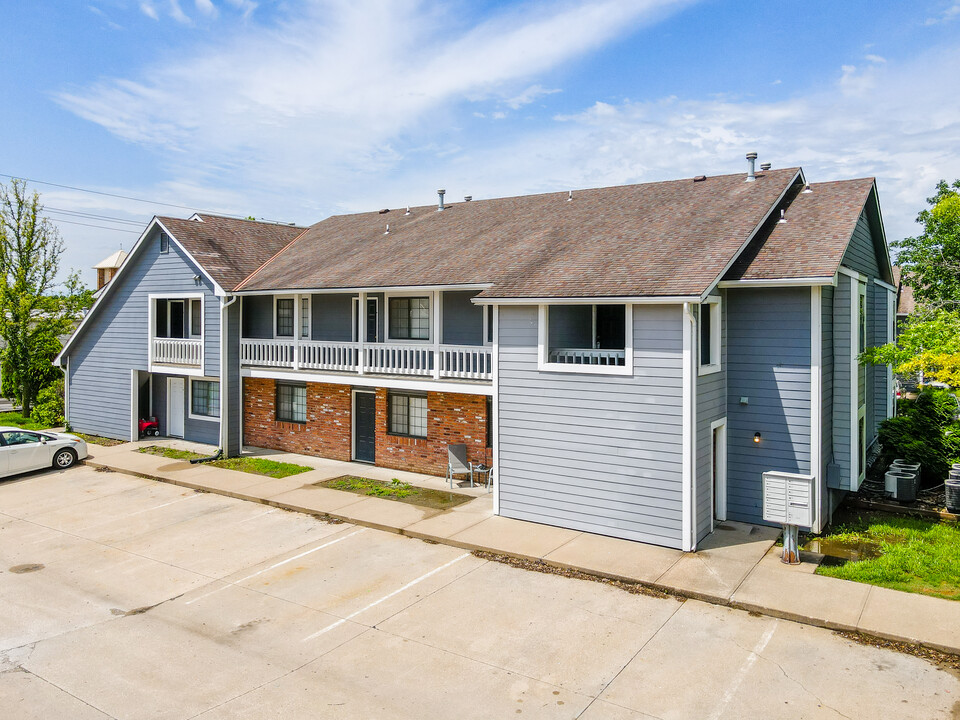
(25, 450)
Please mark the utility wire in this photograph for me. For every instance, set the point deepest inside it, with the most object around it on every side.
(102, 227)
(93, 216)
(113, 195)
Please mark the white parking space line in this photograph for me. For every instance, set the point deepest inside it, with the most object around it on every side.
(258, 516)
(276, 565)
(409, 585)
(744, 669)
(157, 507)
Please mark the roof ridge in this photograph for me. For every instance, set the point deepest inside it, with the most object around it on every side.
(269, 260)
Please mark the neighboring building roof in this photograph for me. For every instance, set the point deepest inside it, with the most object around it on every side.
(227, 248)
(113, 261)
(655, 239)
(905, 302)
(812, 241)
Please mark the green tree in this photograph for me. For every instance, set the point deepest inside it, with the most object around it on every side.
(931, 260)
(32, 314)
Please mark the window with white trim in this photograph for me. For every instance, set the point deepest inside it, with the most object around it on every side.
(291, 403)
(205, 398)
(407, 414)
(196, 318)
(709, 320)
(305, 317)
(586, 334)
(410, 318)
(285, 317)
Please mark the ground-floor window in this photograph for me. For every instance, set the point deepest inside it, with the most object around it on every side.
(407, 414)
(205, 398)
(292, 403)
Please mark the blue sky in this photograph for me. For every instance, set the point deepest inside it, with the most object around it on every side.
(295, 110)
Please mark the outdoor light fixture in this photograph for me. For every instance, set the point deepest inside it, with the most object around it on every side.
(756, 437)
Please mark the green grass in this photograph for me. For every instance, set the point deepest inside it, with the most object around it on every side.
(916, 555)
(15, 419)
(396, 490)
(97, 440)
(256, 466)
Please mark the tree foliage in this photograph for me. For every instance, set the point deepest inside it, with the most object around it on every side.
(33, 314)
(928, 343)
(931, 260)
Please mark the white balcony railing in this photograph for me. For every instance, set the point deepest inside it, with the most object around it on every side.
(176, 351)
(465, 362)
(576, 356)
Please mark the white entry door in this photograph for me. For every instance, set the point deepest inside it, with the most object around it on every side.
(175, 396)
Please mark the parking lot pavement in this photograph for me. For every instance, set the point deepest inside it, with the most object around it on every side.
(127, 598)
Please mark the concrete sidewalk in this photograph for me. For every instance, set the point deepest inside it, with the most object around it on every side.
(736, 566)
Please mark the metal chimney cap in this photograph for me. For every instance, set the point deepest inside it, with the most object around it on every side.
(766, 166)
(467, 198)
(441, 192)
(751, 156)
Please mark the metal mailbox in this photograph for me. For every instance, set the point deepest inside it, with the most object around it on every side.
(789, 499)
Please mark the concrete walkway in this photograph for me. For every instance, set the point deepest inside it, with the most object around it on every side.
(736, 566)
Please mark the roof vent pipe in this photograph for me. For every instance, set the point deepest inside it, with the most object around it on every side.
(408, 210)
(783, 216)
(569, 195)
(467, 198)
(441, 193)
(387, 232)
(752, 171)
(765, 166)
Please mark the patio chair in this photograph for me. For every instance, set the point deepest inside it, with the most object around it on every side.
(457, 463)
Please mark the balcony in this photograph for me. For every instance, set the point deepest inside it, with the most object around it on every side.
(462, 362)
(176, 351)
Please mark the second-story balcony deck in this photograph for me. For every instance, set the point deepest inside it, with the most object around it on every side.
(464, 362)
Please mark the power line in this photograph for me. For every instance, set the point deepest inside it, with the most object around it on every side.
(113, 195)
(93, 216)
(102, 227)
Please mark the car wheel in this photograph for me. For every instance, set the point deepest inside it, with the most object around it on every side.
(64, 459)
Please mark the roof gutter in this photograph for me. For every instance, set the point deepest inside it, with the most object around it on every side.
(778, 282)
(602, 300)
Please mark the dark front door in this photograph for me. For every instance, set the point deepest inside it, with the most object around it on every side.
(372, 321)
(177, 319)
(364, 427)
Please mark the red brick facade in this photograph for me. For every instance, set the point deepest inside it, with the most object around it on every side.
(451, 418)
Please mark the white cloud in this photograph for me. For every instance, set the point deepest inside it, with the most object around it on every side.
(148, 9)
(952, 12)
(875, 58)
(529, 95)
(176, 12)
(245, 6)
(206, 7)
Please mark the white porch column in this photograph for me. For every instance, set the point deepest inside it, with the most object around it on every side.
(296, 332)
(361, 333)
(435, 311)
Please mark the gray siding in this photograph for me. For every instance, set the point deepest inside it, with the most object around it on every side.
(332, 317)
(861, 254)
(202, 431)
(768, 361)
(711, 406)
(826, 395)
(231, 387)
(843, 335)
(600, 453)
(116, 339)
(462, 320)
(881, 376)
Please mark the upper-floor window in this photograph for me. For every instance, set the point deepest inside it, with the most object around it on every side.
(709, 319)
(196, 319)
(164, 243)
(305, 317)
(587, 334)
(285, 317)
(862, 316)
(410, 318)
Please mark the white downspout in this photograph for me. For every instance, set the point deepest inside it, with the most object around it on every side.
(224, 371)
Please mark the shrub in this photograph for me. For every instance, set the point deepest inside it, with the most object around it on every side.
(49, 410)
(926, 431)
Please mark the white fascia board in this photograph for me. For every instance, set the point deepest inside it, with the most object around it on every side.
(852, 273)
(754, 232)
(642, 300)
(358, 289)
(107, 289)
(217, 290)
(884, 285)
(778, 282)
(370, 381)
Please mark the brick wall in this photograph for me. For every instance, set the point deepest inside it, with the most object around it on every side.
(325, 434)
(451, 418)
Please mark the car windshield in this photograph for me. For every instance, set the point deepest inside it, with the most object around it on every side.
(19, 437)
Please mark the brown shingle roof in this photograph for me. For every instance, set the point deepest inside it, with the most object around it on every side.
(812, 241)
(230, 249)
(654, 239)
